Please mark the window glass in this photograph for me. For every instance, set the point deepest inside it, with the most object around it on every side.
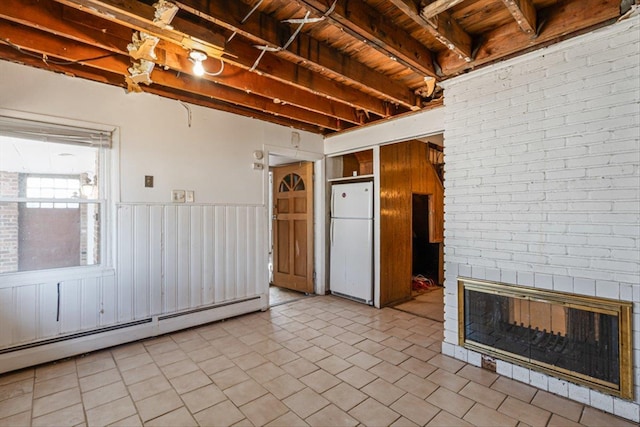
(50, 205)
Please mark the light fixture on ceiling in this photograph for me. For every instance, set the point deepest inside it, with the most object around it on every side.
(197, 57)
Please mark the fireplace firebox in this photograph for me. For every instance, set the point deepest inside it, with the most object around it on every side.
(585, 340)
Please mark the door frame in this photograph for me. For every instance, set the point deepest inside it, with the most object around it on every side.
(319, 208)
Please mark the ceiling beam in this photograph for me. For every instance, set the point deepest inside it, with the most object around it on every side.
(364, 23)
(48, 16)
(313, 54)
(524, 12)
(253, 83)
(141, 17)
(437, 7)
(207, 102)
(56, 47)
(101, 76)
(9, 53)
(442, 27)
(243, 54)
(559, 21)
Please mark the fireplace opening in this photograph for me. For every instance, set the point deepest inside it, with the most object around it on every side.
(586, 340)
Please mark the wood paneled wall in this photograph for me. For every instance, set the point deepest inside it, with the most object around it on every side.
(404, 170)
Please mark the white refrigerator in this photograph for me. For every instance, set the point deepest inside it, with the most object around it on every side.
(351, 241)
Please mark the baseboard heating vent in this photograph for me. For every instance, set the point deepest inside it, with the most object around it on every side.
(76, 335)
(208, 307)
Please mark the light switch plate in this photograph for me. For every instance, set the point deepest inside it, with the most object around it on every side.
(190, 196)
(177, 196)
(148, 181)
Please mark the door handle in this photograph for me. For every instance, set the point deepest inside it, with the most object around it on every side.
(331, 234)
(331, 207)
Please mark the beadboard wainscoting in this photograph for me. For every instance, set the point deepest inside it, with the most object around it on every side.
(176, 266)
(173, 258)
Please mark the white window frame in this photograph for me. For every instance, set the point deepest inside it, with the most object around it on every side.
(109, 195)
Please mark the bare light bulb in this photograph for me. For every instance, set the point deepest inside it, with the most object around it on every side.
(198, 69)
(197, 57)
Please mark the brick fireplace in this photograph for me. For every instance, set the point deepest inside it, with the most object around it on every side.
(542, 165)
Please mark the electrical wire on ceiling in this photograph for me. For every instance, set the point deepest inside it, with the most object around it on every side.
(245, 19)
(301, 23)
(217, 73)
(48, 61)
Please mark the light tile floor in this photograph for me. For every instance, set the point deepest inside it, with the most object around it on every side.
(279, 295)
(319, 361)
(429, 304)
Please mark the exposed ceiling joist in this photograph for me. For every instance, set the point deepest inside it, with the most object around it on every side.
(141, 17)
(365, 23)
(317, 65)
(80, 71)
(303, 49)
(524, 13)
(54, 49)
(445, 29)
(169, 55)
(437, 7)
(558, 22)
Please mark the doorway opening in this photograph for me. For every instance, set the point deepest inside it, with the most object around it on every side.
(425, 255)
(291, 229)
(422, 207)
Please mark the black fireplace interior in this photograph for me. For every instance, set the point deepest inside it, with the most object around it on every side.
(572, 339)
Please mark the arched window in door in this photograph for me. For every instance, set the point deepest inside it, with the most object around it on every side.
(291, 182)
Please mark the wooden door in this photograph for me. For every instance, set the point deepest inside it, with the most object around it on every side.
(293, 227)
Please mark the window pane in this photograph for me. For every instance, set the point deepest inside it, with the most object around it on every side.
(34, 239)
(47, 193)
(49, 233)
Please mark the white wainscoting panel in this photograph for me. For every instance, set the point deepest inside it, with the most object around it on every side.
(173, 258)
(45, 310)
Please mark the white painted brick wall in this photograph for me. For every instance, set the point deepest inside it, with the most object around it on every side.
(542, 182)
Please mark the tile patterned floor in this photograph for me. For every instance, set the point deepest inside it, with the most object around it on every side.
(428, 304)
(279, 296)
(320, 361)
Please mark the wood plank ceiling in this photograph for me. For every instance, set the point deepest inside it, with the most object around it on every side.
(317, 65)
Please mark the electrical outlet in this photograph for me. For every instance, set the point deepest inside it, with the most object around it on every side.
(177, 196)
(258, 166)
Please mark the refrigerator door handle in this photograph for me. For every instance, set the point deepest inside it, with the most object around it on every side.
(333, 194)
(331, 234)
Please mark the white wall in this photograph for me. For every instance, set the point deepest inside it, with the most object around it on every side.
(399, 129)
(543, 182)
(164, 257)
(212, 157)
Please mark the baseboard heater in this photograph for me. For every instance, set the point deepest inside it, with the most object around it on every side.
(208, 307)
(76, 335)
(60, 347)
